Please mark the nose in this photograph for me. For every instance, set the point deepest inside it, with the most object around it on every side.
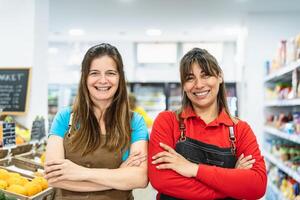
(102, 78)
(199, 83)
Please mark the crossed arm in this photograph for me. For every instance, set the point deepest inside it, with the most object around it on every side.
(172, 174)
(63, 173)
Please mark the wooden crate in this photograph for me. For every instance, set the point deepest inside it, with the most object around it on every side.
(47, 194)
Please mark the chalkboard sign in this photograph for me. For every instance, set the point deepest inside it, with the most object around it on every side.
(9, 134)
(14, 89)
(38, 129)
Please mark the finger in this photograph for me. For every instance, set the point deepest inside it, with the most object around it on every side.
(139, 159)
(248, 157)
(53, 174)
(55, 179)
(167, 148)
(55, 162)
(164, 159)
(134, 153)
(241, 157)
(52, 168)
(164, 166)
(248, 167)
(161, 154)
(250, 162)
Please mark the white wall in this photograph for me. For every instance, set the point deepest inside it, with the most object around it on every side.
(59, 67)
(264, 34)
(23, 39)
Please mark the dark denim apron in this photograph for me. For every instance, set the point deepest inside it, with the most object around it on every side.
(199, 152)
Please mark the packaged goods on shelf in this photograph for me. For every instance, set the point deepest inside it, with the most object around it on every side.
(281, 145)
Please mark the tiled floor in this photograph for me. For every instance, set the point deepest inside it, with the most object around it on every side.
(145, 194)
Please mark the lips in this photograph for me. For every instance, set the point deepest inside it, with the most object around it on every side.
(102, 88)
(202, 93)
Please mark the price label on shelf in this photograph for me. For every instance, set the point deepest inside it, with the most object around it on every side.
(8, 134)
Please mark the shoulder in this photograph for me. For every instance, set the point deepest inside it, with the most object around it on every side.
(65, 112)
(139, 129)
(243, 129)
(240, 124)
(166, 115)
(61, 122)
(136, 119)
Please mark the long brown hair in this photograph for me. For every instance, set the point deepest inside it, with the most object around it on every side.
(210, 66)
(85, 125)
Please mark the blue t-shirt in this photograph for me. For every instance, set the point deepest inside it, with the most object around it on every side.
(60, 126)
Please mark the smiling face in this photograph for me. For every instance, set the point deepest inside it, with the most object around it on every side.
(103, 80)
(201, 89)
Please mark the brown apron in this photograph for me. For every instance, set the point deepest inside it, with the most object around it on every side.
(100, 158)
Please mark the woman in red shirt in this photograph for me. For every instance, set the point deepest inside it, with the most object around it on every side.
(193, 152)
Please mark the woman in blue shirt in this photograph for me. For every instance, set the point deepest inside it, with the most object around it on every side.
(97, 149)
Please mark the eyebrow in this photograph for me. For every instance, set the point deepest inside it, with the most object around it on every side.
(96, 70)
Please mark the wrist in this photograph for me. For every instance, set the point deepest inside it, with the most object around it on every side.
(194, 169)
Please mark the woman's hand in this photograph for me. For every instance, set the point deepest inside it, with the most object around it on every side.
(135, 159)
(170, 159)
(244, 162)
(63, 169)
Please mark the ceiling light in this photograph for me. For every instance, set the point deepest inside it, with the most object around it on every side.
(76, 32)
(153, 32)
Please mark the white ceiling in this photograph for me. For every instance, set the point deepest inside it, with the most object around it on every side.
(179, 20)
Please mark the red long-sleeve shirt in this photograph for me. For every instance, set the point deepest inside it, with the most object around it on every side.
(211, 182)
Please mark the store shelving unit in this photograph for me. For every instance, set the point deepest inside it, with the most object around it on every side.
(288, 73)
(277, 195)
(281, 134)
(281, 165)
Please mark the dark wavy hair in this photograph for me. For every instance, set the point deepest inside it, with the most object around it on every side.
(210, 66)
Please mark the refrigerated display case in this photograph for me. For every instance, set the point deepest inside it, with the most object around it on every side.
(173, 96)
(59, 96)
(231, 93)
(150, 96)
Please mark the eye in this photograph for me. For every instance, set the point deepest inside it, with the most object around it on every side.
(205, 76)
(93, 73)
(190, 78)
(111, 73)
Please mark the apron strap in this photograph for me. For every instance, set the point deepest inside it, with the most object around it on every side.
(232, 140)
(182, 129)
(70, 124)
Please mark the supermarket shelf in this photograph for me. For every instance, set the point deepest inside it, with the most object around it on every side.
(282, 71)
(291, 137)
(282, 166)
(283, 102)
(277, 192)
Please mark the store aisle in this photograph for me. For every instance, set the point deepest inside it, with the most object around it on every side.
(145, 194)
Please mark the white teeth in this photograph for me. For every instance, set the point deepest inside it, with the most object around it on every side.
(201, 93)
(102, 88)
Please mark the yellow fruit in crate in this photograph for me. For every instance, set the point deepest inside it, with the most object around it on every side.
(3, 184)
(38, 174)
(41, 181)
(17, 181)
(14, 174)
(32, 188)
(17, 189)
(4, 174)
(43, 157)
(19, 140)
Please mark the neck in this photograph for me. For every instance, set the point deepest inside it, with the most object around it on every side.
(207, 114)
(99, 113)
(100, 108)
